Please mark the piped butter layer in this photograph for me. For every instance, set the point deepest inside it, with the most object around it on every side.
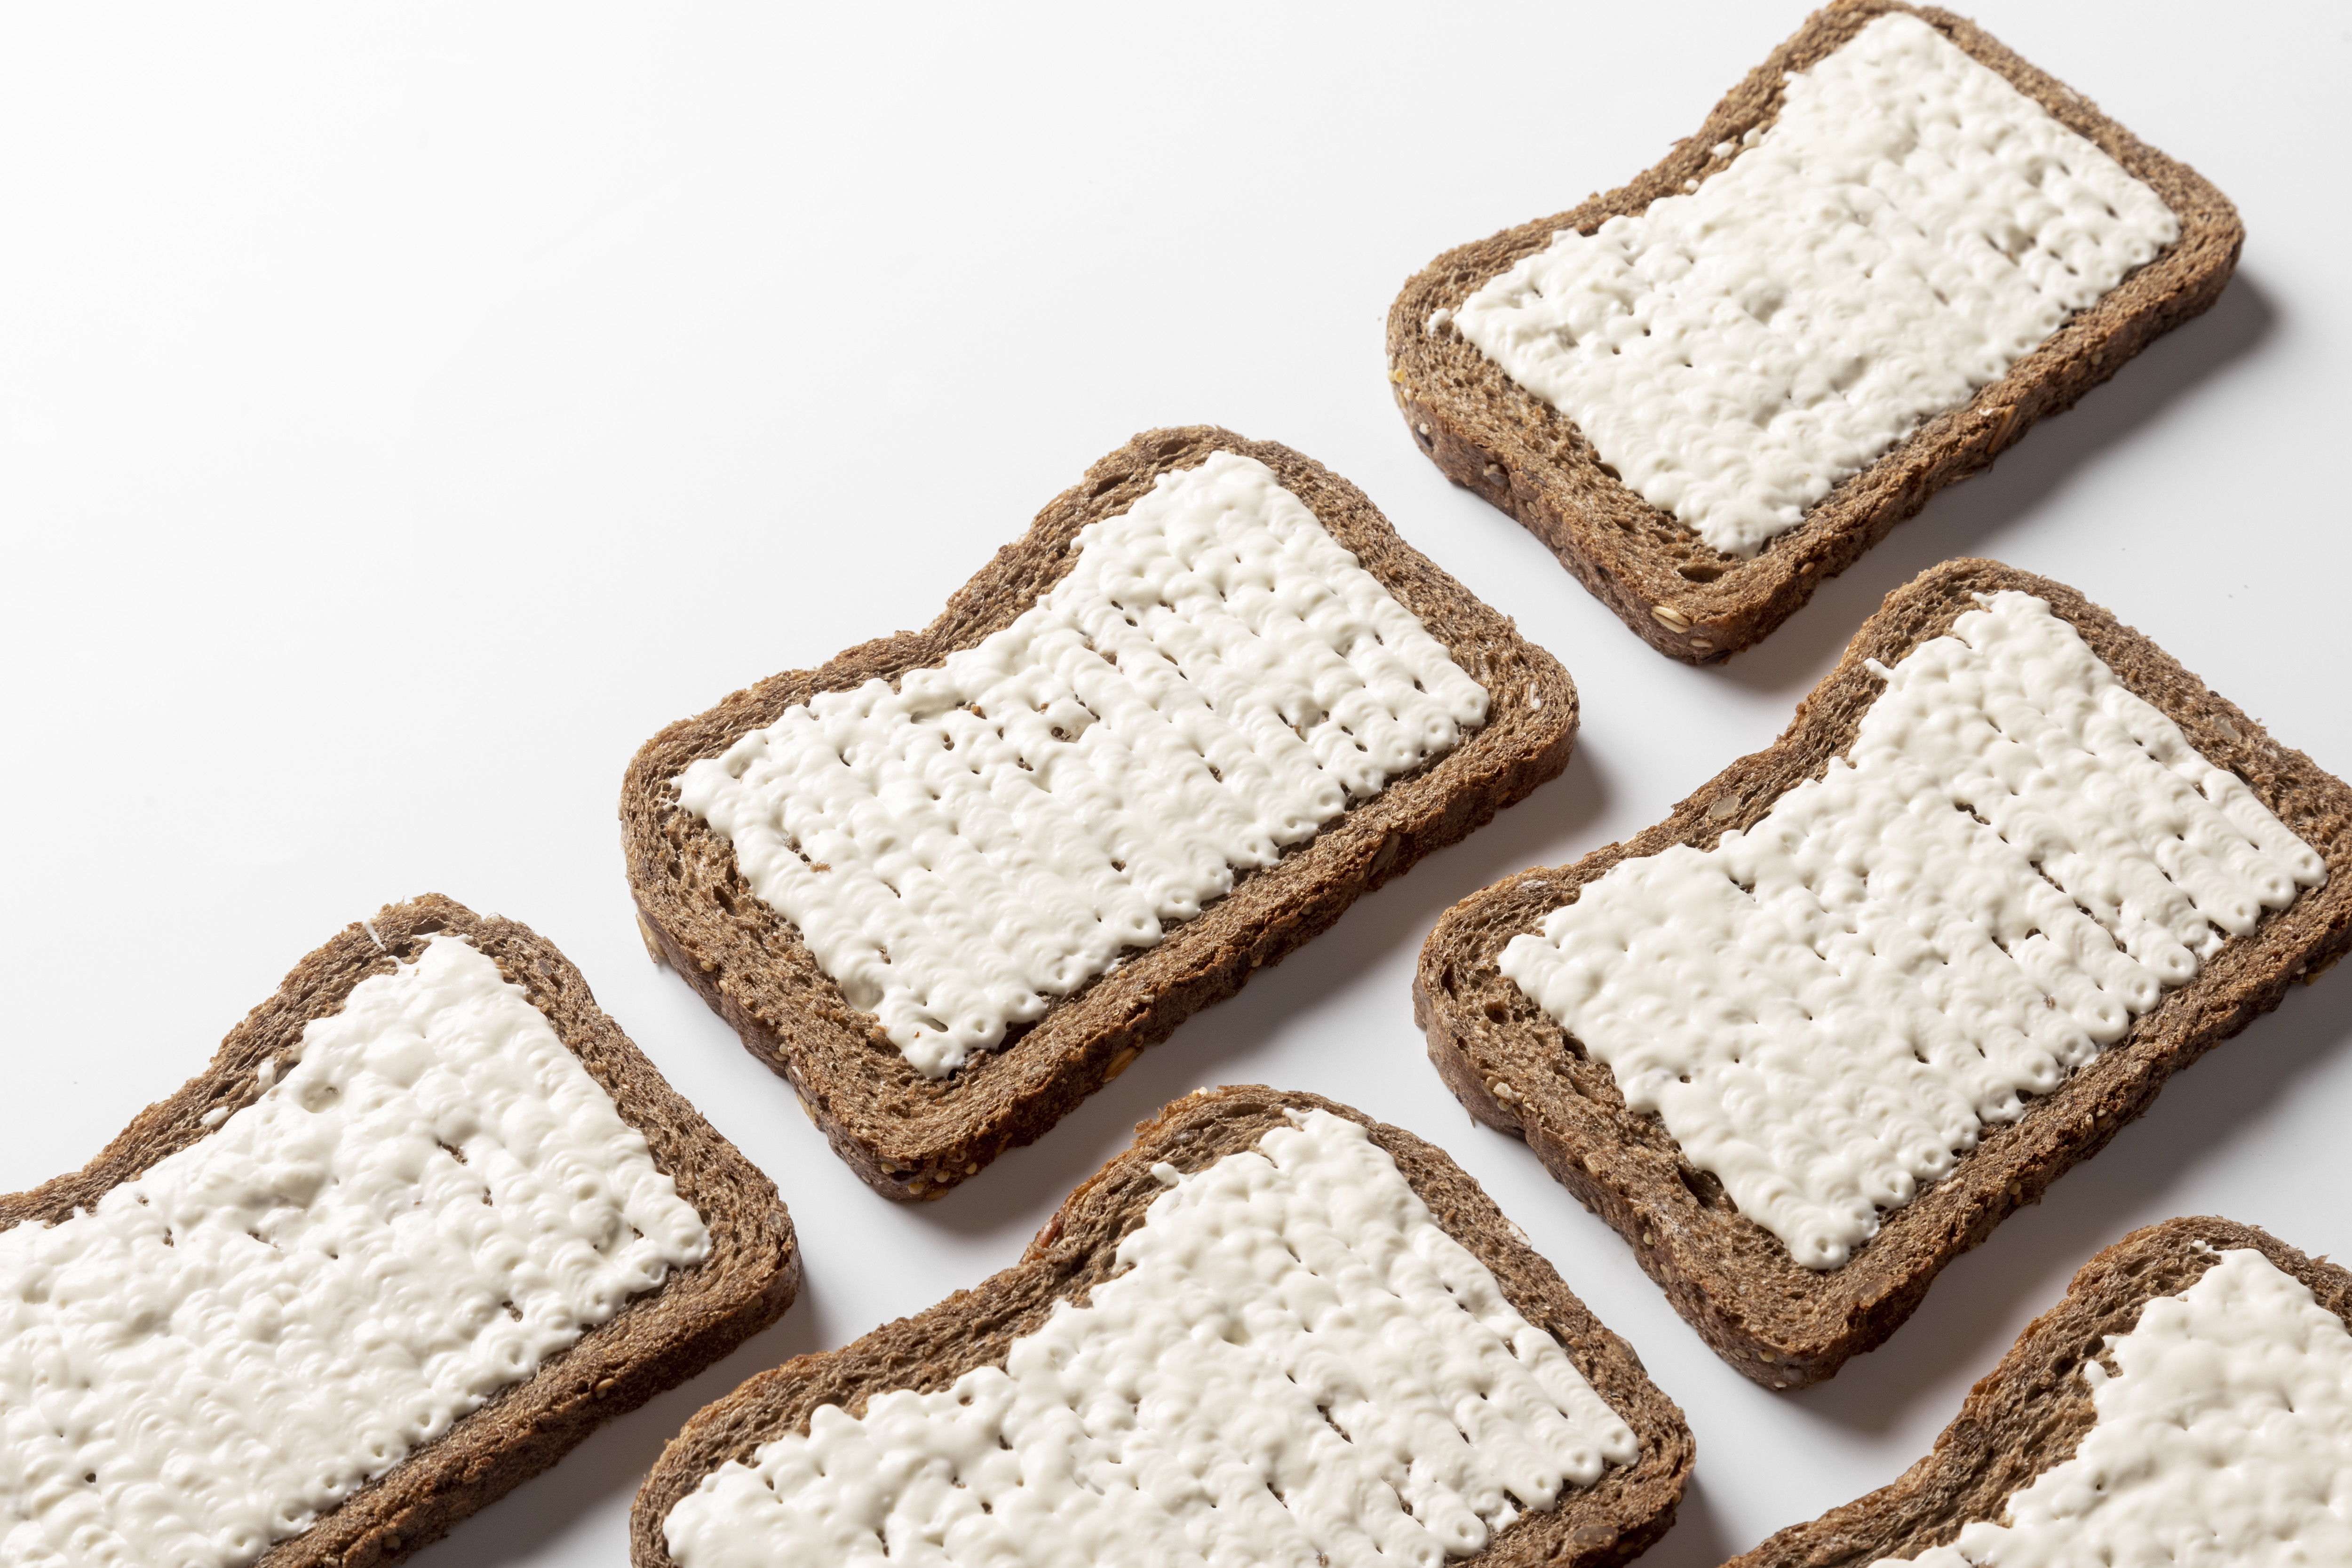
(1297, 1365)
(2224, 1435)
(1213, 680)
(434, 1200)
(2015, 858)
(1907, 228)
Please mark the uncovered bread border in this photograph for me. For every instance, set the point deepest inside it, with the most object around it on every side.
(1684, 597)
(1621, 1514)
(1782, 1324)
(2030, 1412)
(655, 1343)
(913, 1137)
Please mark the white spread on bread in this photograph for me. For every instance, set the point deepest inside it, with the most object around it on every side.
(431, 1202)
(2016, 857)
(1297, 1365)
(1213, 680)
(2224, 1435)
(1908, 227)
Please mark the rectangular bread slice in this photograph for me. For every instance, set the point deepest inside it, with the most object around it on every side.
(1685, 598)
(689, 1317)
(1783, 1324)
(1626, 1507)
(2032, 1413)
(913, 1134)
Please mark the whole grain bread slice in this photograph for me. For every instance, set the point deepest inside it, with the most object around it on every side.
(913, 1136)
(1623, 1512)
(1682, 597)
(655, 1343)
(2030, 1412)
(1780, 1323)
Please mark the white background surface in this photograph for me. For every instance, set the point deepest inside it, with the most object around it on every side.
(406, 412)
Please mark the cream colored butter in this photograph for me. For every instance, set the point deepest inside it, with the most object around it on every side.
(2016, 858)
(1297, 1365)
(2223, 1437)
(1907, 228)
(434, 1200)
(1213, 680)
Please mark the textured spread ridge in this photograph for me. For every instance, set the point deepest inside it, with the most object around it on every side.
(1696, 600)
(697, 1312)
(2017, 1450)
(1757, 1304)
(1295, 1361)
(1213, 680)
(1082, 1252)
(912, 1135)
(2015, 857)
(1908, 227)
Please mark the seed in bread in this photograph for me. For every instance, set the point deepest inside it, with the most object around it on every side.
(310, 1308)
(950, 883)
(1888, 251)
(1869, 990)
(1280, 1333)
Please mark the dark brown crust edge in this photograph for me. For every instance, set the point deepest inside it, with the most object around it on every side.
(1779, 1323)
(2030, 1412)
(1492, 437)
(1622, 1514)
(656, 1342)
(912, 1137)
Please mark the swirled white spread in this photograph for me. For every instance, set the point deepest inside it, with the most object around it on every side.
(234, 1342)
(1214, 679)
(2016, 858)
(1297, 1365)
(1908, 227)
(2223, 1437)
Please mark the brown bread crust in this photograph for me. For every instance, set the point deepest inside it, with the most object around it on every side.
(656, 1342)
(2029, 1414)
(913, 1137)
(1621, 1514)
(1778, 1322)
(1684, 597)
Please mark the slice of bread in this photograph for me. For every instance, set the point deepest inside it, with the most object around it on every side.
(914, 1136)
(2030, 1413)
(1783, 1324)
(1626, 1509)
(1685, 597)
(662, 1337)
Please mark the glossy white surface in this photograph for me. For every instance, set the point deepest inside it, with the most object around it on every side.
(434, 1199)
(1295, 1363)
(2014, 859)
(406, 412)
(1908, 227)
(1214, 679)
